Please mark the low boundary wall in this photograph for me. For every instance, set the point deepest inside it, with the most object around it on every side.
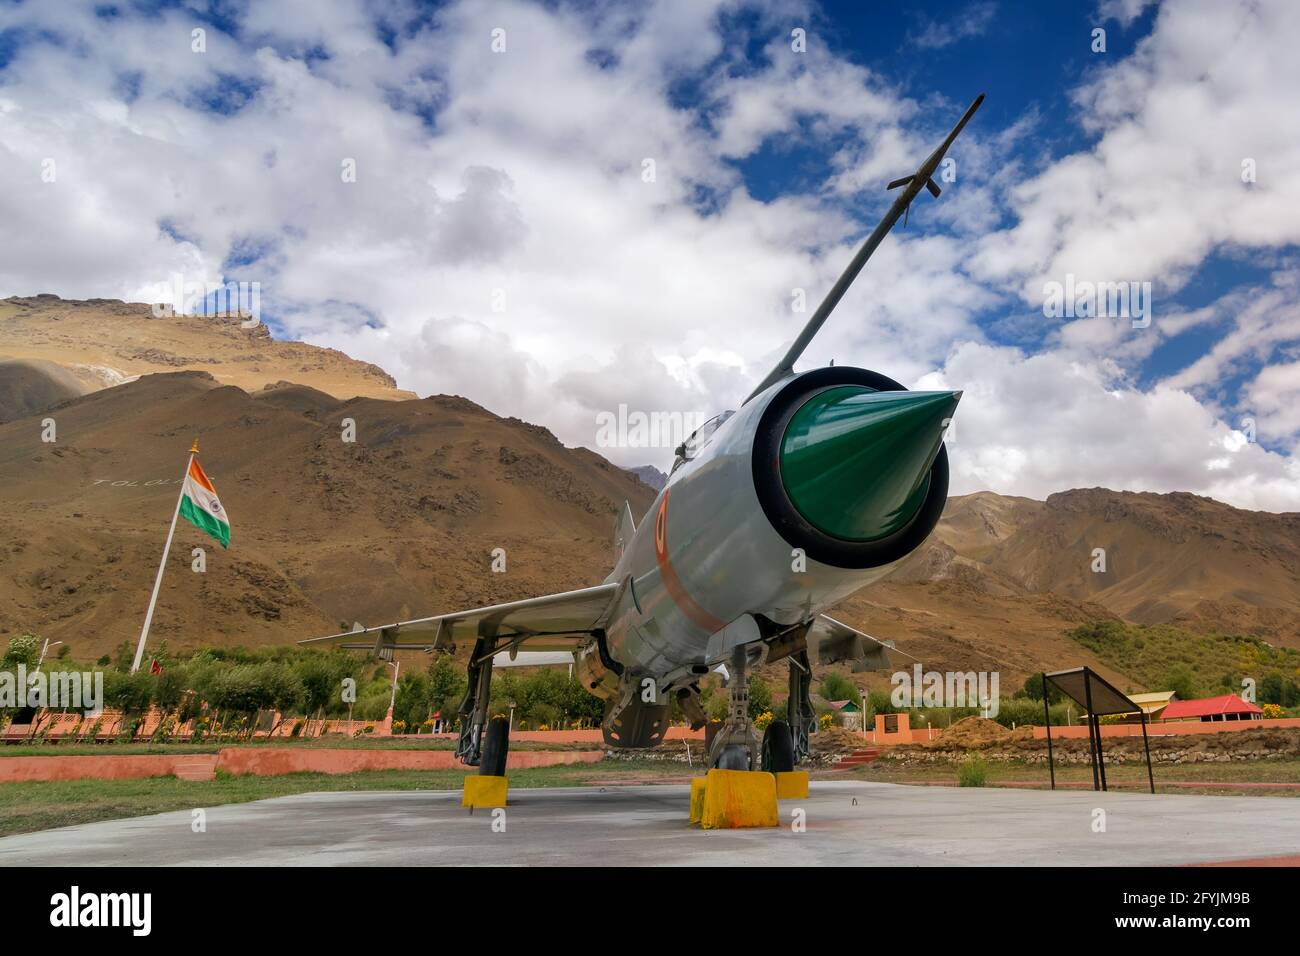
(262, 762)
(1172, 728)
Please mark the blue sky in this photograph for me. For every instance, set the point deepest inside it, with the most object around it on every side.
(618, 205)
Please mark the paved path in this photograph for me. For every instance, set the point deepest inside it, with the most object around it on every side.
(890, 825)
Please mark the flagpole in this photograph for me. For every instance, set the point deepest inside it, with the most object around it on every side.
(162, 565)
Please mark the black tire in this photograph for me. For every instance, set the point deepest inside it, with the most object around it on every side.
(496, 746)
(778, 748)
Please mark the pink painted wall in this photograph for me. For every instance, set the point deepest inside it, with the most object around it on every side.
(903, 735)
(106, 767)
(272, 761)
(261, 761)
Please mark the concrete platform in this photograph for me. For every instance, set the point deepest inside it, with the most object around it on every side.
(890, 825)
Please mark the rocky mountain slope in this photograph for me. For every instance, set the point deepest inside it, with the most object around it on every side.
(402, 521)
(396, 524)
(97, 343)
(1003, 579)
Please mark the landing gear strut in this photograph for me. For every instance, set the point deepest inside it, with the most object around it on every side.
(474, 706)
(735, 746)
(799, 709)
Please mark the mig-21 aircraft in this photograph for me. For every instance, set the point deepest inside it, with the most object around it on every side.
(815, 487)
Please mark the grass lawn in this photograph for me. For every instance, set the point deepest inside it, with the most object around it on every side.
(25, 807)
(1128, 776)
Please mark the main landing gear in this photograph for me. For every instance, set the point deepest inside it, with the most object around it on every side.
(483, 742)
(474, 706)
(496, 746)
(801, 717)
(785, 742)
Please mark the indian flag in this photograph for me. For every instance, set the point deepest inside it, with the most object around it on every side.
(200, 507)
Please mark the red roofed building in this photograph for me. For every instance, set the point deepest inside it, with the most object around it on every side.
(1227, 707)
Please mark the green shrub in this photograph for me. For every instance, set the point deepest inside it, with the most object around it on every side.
(972, 772)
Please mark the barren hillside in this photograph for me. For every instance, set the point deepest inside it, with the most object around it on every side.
(324, 532)
(104, 342)
(402, 522)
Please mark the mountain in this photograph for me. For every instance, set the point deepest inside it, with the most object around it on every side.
(1168, 557)
(103, 342)
(651, 475)
(399, 523)
(1003, 579)
(403, 521)
(27, 386)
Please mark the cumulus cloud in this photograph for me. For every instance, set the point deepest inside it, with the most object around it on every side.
(544, 208)
(1040, 423)
(1182, 124)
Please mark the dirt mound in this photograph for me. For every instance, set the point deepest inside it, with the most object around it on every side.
(836, 740)
(972, 732)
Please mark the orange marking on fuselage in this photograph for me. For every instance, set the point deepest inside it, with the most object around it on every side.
(676, 590)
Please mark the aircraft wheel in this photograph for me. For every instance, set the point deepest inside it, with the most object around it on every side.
(496, 745)
(778, 748)
(734, 757)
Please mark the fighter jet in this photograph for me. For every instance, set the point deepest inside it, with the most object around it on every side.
(818, 485)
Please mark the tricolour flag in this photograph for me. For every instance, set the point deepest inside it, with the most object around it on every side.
(200, 507)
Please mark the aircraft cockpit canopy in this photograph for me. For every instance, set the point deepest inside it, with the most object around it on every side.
(699, 438)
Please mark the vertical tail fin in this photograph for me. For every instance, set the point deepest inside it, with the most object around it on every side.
(624, 528)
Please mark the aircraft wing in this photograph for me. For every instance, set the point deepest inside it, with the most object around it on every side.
(833, 642)
(553, 622)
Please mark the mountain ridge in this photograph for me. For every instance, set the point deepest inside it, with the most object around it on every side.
(403, 521)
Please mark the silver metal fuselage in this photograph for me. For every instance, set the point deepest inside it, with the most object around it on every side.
(705, 555)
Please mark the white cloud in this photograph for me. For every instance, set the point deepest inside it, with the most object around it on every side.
(500, 241)
(1162, 187)
(1032, 425)
(953, 27)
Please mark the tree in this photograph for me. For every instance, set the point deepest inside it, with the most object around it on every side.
(124, 657)
(760, 696)
(284, 690)
(129, 693)
(412, 704)
(25, 650)
(838, 687)
(578, 703)
(1179, 679)
(1033, 689)
(170, 687)
(446, 686)
(1275, 689)
(322, 678)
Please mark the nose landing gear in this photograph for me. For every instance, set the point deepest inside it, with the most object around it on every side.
(735, 746)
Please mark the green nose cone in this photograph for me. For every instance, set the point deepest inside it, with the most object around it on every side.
(856, 463)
